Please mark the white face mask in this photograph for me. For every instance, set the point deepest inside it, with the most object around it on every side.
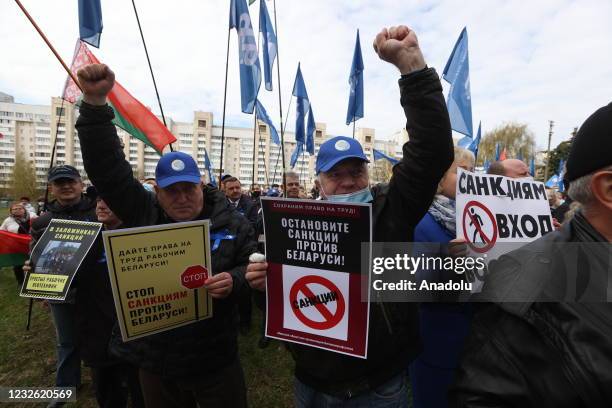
(360, 196)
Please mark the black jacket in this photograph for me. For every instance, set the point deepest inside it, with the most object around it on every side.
(524, 351)
(185, 350)
(95, 311)
(247, 207)
(397, 208)
(84, 210)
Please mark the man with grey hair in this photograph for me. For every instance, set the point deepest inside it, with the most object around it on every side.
(550, 347)
(326, 379)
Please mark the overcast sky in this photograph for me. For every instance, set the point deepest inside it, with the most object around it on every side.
(530, 61)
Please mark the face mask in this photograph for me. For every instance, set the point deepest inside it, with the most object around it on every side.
(361, 196)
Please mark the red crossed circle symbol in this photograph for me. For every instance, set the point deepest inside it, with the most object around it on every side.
(330, 319)
(488, 241)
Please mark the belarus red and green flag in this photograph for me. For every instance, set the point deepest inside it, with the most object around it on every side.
(14, 248)
(130, 115)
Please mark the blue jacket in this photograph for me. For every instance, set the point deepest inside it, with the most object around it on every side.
(443, 326)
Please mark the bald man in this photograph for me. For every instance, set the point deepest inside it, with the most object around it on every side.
(513, 168)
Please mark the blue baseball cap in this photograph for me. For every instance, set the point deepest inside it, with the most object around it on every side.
(175, 167)
(336, 149)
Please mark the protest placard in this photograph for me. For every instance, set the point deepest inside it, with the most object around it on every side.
(157, 273)
(497, 214)
(56, 258)
(315, 277)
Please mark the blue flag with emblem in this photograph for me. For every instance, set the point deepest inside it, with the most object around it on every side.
(263, 116)
(269, 43)
(457, 74)
(532, 167)
(561, 174)
(380, 155)
(554, 180)
(302, 110)
(299, 148)
(250, 72)
(355, 105)
(209, 169)
(90, 22)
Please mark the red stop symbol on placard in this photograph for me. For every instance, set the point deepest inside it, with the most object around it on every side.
(194, 277)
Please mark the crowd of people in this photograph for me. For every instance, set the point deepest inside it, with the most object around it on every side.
(495, 353)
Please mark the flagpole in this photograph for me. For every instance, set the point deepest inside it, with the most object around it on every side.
(254, 143)
(229, 32)
(354, 125)
(282, 145)
(150, 69)
(280, 103)
(44, 37)
(46, 200)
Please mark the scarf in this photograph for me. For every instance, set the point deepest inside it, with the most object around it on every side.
(443, 210)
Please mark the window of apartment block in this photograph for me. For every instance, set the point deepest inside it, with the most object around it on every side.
(368, 139)
(262, 128)
(202, 123)
(60, 111)
(319, 133)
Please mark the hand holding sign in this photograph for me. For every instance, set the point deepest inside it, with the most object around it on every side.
(256, 275)
(219, 286)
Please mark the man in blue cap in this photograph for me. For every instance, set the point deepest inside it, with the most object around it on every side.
(197, 364)
(324, 378)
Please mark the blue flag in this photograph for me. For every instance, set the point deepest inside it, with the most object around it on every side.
(263, 116)
(552, 181)
(380, 155)
(209, 169)
(355, 106)
(90, 21)
(465, 142)
(303, 108)
(497, 151)
(250, 72)
(457, 74)
(473, 147)
(486, 165)
(269, 43)
(299, 148)
(532, 167)
(561, 174)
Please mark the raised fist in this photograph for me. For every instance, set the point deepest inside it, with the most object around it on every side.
(399, 46)
(96, 80)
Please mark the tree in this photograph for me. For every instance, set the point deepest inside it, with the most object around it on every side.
(23, 182)
(516, 138)
(561, 152)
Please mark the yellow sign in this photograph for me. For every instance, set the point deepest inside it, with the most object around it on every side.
(145, 266)
(49, 283)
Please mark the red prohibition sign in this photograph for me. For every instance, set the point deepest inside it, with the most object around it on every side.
(488, 241)
(330, 319)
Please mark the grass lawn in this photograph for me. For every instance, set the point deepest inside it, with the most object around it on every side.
(27, 358)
